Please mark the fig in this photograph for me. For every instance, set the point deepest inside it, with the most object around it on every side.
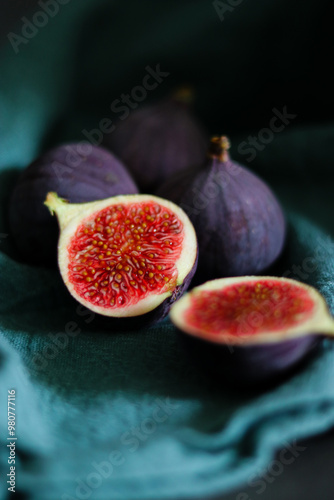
(160, 139)
(239, 222)
(79, 172)
(125, 256)
(252, 329)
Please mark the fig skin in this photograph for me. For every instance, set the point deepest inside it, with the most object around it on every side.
(158, 140)
(79, 172)
(240, 224)
(250, 366)
(265, 356)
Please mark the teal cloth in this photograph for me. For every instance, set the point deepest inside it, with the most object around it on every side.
(108, 415)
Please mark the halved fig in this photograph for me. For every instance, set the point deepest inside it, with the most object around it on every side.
(252, 327)
(125, 256)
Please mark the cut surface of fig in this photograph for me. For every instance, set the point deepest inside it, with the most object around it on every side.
(125, 252)
(126, 255)
(252, 310)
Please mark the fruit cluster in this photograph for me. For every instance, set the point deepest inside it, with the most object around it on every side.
(203, 219)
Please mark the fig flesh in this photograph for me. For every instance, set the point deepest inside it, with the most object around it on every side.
(239, 222)
(79, 172)
(125, 256)
(158, 140)
(252, 328)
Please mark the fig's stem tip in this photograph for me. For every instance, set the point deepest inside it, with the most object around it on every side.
(53, 201)
(222, 141)
(184, 94)
(219, 146)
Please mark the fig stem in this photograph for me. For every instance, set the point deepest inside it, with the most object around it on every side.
(183, 95)
(52, 202)
(62, 208)
(218, 149)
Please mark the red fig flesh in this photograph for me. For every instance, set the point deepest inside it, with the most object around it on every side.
(238, 220)
(255, 327)
(126, 255)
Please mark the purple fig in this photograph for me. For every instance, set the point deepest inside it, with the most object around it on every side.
(252, 329)
(127, 256)
(159, 140)
(79, 172)
(239, 222)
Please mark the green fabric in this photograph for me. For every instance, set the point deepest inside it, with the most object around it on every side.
(109, 415)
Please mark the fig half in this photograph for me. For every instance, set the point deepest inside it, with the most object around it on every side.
(252, 328)
(125, 256)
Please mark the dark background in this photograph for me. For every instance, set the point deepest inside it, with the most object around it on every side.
(263, 55)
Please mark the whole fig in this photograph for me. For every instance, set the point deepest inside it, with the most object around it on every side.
(159, 140)
(238, 220)
(79, 172)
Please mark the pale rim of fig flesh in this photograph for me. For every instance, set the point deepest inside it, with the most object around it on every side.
(72, 215)
(317, 321)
